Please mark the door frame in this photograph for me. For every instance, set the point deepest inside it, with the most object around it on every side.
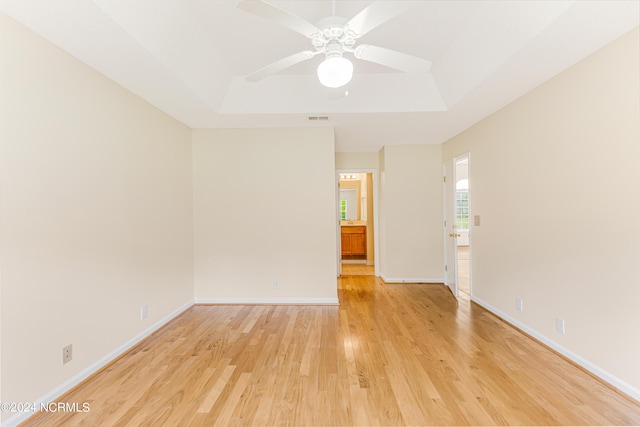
(467, 156)
(449, 195)
(376, 247)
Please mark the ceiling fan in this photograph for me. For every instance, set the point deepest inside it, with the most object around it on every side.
(333, 36)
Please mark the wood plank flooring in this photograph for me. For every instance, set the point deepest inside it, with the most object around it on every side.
(357, 270)
(390, 355)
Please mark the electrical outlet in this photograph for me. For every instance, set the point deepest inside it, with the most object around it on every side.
(143, 312)
(67, 354)
(276, 284)
(559, 325)
(519, 304)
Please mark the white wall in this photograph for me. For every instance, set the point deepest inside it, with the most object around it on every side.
(265, 210)
(96, 214)
(411, 213)
(554, 177)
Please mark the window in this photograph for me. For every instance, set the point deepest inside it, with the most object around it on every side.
(462, 210)
(343, 210)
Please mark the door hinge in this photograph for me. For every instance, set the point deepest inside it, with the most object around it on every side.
(444, 179)
(445, 268)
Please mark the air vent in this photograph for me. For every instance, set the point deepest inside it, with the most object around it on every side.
(318, 118)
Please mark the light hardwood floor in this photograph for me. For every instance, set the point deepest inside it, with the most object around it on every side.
(388, 355)
(357, 270)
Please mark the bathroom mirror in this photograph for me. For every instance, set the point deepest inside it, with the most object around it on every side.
(351, 198)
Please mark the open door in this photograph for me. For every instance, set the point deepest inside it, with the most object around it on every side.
(450, 234)
(462, 218)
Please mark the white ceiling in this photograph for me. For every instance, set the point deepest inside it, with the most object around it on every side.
(188, 58)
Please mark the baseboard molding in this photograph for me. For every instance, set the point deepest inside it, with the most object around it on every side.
(267, 301)
(605, 376)
(95, 367)
(438, 280)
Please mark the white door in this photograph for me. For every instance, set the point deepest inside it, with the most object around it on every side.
(450, 235)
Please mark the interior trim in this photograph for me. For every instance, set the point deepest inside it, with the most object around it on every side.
(600, 373)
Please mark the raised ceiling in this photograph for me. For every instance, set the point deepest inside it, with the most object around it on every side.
(188, 58)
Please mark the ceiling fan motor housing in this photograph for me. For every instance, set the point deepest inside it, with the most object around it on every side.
(333, 32)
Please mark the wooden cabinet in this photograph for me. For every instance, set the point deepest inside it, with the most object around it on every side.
(354, 240)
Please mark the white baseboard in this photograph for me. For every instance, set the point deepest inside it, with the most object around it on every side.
(268, 301)
(92, 369)
(614, 381)
(411, 279)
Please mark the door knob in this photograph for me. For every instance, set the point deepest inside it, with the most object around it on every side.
(454, 235)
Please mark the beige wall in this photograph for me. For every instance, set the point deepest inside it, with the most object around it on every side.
(409, 209)
(382, 217)
(254, 224)
(96, 215)
(411, 213)
(356, 161)
(554, 177)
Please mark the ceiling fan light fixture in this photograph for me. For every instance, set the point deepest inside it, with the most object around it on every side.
(335, 71)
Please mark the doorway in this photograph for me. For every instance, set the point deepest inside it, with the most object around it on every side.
(457, 212)
(357, 223)
(462, 223)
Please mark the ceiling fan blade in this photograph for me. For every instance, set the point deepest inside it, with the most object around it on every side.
(376, 14)
(280, 16)
(392, 58)
(280, 65)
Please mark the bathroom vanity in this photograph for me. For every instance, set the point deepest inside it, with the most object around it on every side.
(353, 238)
